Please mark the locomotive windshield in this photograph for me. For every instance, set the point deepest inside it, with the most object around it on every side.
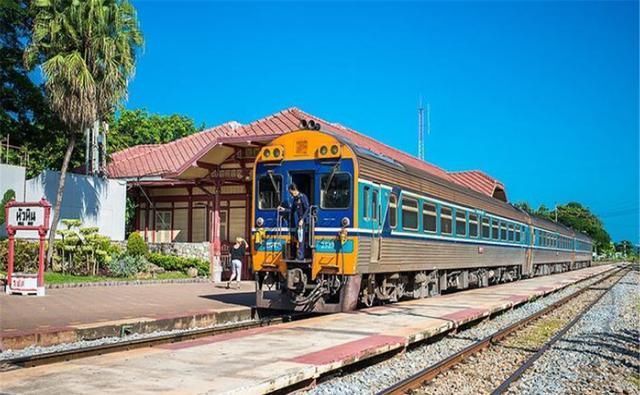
(269, 187)
(337, 194)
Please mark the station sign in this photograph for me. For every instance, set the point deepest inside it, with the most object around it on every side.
(26, 216)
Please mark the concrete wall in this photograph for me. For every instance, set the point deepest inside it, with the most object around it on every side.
(95, 201)
(12, 177)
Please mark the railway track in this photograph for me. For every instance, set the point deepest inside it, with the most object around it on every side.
(418, 380)
(126, 345)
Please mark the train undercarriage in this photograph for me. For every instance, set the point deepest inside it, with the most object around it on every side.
(330, 293)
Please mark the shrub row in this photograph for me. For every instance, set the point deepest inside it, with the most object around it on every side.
(178, 263)
(25, 256)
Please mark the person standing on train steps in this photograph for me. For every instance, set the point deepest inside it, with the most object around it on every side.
(300, 211)
(237, 255)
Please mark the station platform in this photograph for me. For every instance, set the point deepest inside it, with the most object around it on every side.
(266, 359)
(70, 314)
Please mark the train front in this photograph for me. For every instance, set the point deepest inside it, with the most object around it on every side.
(304, 252)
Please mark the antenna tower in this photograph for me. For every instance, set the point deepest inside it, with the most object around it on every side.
(420, 130)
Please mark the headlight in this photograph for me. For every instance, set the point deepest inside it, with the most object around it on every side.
(266, 153)
(260, 221)
(334, 150)
(345, 222)
(276, 152)
(323, 150)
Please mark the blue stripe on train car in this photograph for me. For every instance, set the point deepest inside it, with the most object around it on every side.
(333, 246)
(322, 246)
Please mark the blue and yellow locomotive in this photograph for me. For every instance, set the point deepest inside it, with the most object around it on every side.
(379, 230)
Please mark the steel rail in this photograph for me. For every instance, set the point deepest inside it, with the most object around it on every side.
(545, 347)
(71, 354)
(429, 373)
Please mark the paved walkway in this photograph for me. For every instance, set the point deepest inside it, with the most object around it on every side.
(265, 359)
(66, 309)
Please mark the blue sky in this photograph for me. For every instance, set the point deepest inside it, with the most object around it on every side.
(541, 95)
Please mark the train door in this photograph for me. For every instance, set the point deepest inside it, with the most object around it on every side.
(376, 222)
(304, 181)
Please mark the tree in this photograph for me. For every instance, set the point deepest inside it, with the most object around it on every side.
(581, 219)
(87, 52)
(575, 216)
(24, 113)
(133, 127)
(524, 206)
(8, 195)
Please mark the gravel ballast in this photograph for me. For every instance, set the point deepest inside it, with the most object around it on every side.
(599, 355)
(484, 372)
(375, 378)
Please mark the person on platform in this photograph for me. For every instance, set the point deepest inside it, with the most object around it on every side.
(299, 213)
(237, 255)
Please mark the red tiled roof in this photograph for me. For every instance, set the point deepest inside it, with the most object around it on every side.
(172, 158)
(477, 180)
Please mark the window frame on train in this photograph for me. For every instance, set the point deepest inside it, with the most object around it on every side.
(365, 201)
(269, 182)
(495, 229)
(375, 206)
(431, 215)
(413, 210)
(393, 210)
(486, 223)
(461, 220)
(442, 217)
(472, 227)
(335, 178)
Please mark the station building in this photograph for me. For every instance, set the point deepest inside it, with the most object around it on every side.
(193, 195)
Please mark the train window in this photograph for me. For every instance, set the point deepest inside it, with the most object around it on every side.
(409, 214)
(461, 222)
(393, 210)
(518, 231)
(486, 229)
(511, 235)
(429, 217)
(374, 205)
(269, 188)
(365, 202)
(473, 225)
(503, 231)
(338, 193)
(445, 220)
(494, 229)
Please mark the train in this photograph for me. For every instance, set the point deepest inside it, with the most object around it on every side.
(379, 229)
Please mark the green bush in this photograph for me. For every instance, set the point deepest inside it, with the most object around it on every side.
(127, 265)
(26, 256)
(136, 245)
(82, 250)
(178, 263)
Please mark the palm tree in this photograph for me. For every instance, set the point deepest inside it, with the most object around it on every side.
(87, 51)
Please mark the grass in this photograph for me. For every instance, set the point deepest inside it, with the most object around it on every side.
(539, 333)
(60, 278)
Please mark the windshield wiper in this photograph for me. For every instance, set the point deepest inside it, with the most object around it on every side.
(333, 173)
(275, 185)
